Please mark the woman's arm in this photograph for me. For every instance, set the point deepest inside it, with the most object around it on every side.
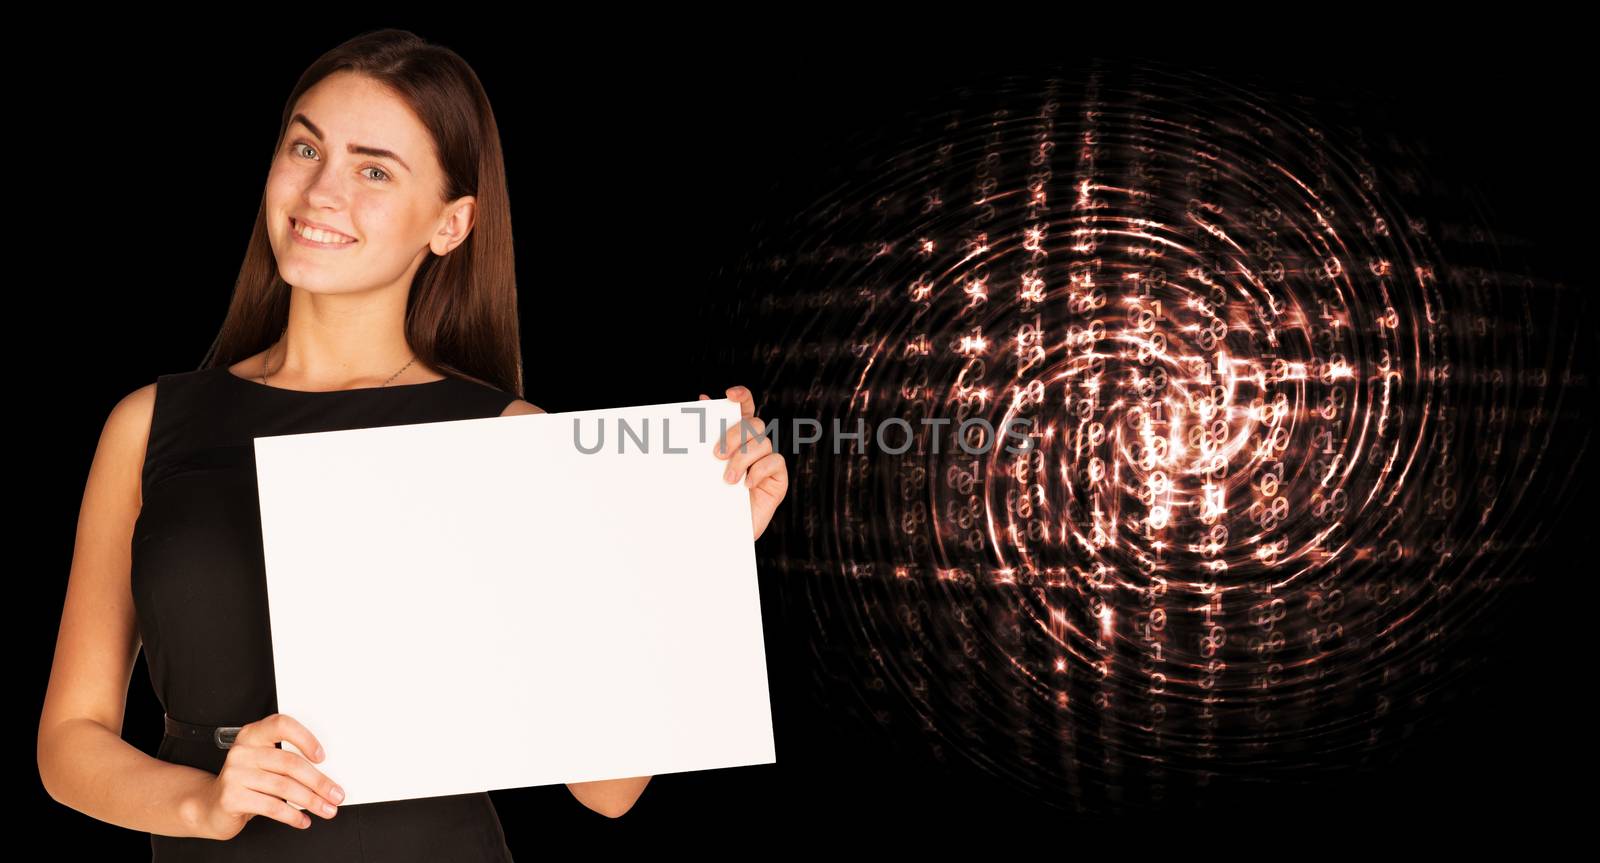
(83, 760)
(609, 797)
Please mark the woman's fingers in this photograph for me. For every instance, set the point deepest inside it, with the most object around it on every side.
(255, 748)
(769, 465)
(247, 800)
(744, 457)
(280, 728)
(744, 442)
(745, 398)
(744, 433)
(291, 789)
(299, 783)
(314, 780)
(245, 790)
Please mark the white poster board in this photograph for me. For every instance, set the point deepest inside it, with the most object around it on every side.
(477, 604)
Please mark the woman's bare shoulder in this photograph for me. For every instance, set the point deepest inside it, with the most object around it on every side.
(126, 433)
(127, 426)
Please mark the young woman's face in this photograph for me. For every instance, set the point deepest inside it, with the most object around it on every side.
(356, 162)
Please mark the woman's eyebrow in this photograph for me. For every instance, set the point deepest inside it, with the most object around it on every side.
(354, 148)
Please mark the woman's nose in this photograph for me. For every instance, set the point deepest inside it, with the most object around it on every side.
(325, 188)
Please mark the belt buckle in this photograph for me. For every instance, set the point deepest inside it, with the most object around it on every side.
(224, 735)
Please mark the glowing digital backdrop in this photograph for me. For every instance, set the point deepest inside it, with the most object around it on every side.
(1293, 402)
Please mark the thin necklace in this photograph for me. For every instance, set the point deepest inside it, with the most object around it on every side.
(286, 330)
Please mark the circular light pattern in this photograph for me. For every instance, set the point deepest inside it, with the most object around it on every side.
(1287, 411)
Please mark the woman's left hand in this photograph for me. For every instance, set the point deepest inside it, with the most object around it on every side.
(764, 471)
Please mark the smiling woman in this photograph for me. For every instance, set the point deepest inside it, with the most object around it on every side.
(377, 289)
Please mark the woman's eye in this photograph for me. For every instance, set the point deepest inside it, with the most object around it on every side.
(300, 147)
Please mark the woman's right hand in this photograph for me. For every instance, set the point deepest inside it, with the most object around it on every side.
(258, 778)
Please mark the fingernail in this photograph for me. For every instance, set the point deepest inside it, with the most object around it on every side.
(328, 810)
(338, 794)
(320, 753)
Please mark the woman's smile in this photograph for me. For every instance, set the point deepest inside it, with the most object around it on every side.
(316, 238)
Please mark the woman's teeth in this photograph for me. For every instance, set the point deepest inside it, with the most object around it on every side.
(317, 236)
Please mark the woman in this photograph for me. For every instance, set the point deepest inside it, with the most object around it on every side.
(377, 289)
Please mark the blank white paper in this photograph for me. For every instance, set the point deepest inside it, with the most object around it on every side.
(469, 605)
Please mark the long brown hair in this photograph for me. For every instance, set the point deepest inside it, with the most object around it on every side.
(461, 314)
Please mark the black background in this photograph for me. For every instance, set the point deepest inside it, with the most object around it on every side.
(637, 169)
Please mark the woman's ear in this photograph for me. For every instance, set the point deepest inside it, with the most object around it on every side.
(457, 224)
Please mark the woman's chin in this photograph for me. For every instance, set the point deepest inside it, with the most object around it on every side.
(315, 280)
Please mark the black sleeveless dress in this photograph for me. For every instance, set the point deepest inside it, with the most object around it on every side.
(199, 586)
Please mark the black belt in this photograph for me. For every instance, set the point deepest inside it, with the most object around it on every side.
(221, 735)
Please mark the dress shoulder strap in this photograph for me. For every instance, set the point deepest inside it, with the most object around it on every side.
(179, 402)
